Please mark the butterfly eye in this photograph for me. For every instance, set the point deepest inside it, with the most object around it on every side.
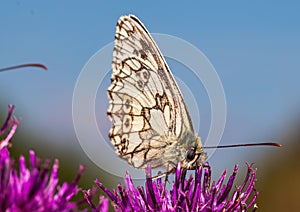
(190, 155)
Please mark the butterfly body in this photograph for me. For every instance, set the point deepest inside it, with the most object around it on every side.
(151, 124)
(186, 149)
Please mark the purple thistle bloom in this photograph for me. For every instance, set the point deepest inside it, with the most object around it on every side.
(192, 194)
(31, 188)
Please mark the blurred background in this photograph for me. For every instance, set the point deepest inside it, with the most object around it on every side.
(253, 46)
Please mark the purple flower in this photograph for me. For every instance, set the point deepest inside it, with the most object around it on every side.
(31, 188)
(192, 194)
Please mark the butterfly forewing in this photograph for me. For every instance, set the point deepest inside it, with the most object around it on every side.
(146, 107)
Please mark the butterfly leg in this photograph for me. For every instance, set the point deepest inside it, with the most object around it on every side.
(165, 181)
(169, 171)
(182, 177)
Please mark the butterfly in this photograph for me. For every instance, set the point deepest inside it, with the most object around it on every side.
(151, 124)
(150, 120)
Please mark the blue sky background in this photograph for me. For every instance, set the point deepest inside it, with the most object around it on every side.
(254, 47)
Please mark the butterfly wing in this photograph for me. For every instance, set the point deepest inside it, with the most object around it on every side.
(146, 106)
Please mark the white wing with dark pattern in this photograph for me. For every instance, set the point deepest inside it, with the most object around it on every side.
(146, 107)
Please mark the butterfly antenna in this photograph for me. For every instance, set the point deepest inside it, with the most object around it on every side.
(25, 66)
(243, 145)
(160, 175)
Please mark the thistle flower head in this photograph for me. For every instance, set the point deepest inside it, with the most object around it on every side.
(31, 188)
(193, 194)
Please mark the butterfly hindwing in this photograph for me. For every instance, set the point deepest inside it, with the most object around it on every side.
(146, 106)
